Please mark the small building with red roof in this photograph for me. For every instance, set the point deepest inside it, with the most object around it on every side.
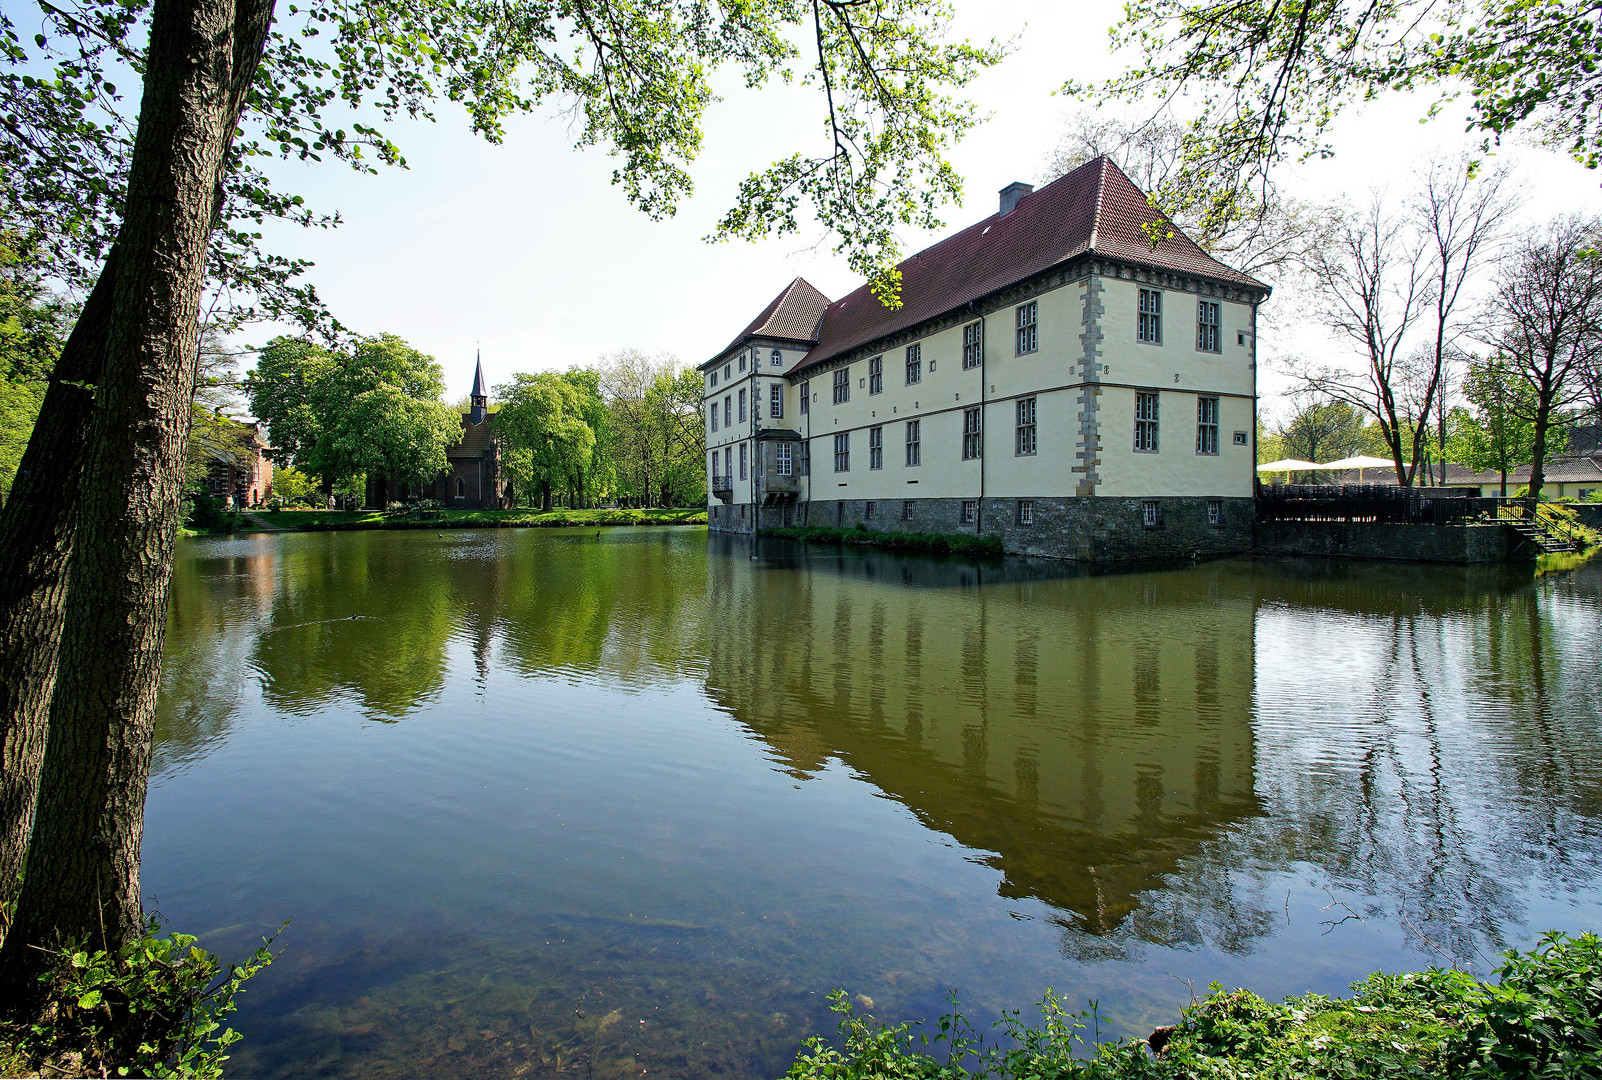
(1072, 375)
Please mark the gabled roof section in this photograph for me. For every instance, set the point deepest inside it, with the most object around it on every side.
(793, 315)
(1094, 209)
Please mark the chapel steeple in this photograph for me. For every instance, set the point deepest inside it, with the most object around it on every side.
(480, 394)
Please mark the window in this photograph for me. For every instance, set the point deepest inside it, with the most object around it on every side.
(970, 511)
(1215, 511)
(714, 456)
(1207, 326)
(728, 461)
(1240, 438)
(906, 510)
(868, 508)
(914, 364)
(461, 488)
(1026, 425)
(1206, 425)
(1026, 511)
(742, 361)
(714, 416)
(742, 513)
(1150, 325)
(783, 459)
(842, 452)
(973, 345)
(714, 380)
(1151, 513)
(876, 448)
(914, 448)
(742, 405)
(725, 373)
(742, 461)
(876, 375)
(1146, 423)
(726, 413)
(804, 398)
(776, 400)
(842, 386)
(972, 436)
(777, 359)
(1026, 328)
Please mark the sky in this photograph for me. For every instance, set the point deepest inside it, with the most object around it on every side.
(527, 252)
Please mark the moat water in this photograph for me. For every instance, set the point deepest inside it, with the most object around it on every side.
(547, 802)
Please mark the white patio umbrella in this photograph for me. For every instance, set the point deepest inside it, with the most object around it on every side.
(1289, 465)
(1360, 462)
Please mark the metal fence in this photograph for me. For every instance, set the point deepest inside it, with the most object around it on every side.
(1372, 503)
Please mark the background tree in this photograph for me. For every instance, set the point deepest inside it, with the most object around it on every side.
(337, 414)
(286, 389)
(1322, 429)
(546, 442)
(1547, 321)
(655, 405)
(1461, 214)
(596, 474)
(1499, 433)
(1373, 283)
(674, 398)
(1259, 232)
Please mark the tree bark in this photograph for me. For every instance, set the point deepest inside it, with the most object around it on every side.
(82, 868)
(36, 530)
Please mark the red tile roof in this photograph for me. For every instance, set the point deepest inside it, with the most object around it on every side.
(791, 316)
(1095, 209)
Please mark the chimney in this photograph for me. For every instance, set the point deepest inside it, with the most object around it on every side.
(1011, 194)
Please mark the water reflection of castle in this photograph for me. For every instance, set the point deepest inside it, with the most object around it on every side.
(1090, 732)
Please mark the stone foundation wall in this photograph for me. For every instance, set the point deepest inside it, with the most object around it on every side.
(1094, 528)
(1406, 543)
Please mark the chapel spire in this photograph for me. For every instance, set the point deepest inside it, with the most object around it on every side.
(480, 395)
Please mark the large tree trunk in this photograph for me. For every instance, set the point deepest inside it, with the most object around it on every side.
(35, 543)
(82, 870)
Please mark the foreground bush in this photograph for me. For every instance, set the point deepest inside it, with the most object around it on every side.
(1538, 1020)
(152, 1008)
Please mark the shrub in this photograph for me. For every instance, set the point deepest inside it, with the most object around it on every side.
(151, 1008)
(1538, 1019)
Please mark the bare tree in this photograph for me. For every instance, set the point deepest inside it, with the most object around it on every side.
(1547, 320)
(1373, 279)
(1256, 232)
(1462, 214)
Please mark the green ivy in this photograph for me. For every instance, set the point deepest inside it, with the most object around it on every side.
(154, 1007)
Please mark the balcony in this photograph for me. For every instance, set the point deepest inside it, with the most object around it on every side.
(774, 484)
(723, 487)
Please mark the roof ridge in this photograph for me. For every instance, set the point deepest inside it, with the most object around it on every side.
(1101, 197)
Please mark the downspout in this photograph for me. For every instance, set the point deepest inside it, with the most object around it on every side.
(756, 361)
(979, 512)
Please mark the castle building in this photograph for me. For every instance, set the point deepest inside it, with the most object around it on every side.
(472, 478)
(1072, 375)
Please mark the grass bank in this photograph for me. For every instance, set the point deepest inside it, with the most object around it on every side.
(326, 520)
(972, 547)
(1537, 1018)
